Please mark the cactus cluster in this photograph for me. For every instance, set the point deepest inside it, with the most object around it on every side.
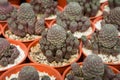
(90, 7)
(113, 17)
(72, 18)
(24, 22)
(92, 69)
(8, 53)
(114, 3)
(57, 44)
(28, 73)
(105, 41)
(6, 9)
(47, 7)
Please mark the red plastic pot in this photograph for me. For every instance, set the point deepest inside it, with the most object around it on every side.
(28, 1)
(116, 65)
(5, 21)
(17, 2)
(92, 25)
(39, 67)
(69, 68)
(103, 5)
(25, 42)
(61, 68)
(23, 47)
(62, 3)
(97, 20)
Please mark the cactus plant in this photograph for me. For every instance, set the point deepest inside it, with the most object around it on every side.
(90, 7)
(55, 44)
(6, 9)
(46, 7)
(28, 73)
(8, 52)
(92, 68)
(72, 18)
(24, 22)
(105, 41)
(113, 17)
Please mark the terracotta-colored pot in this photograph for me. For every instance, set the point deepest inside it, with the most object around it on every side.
(17, 2)
(5, 21)
(103, 5)
(69, 68)
(28, 1)
(97, 20)
(62, 3)
(23, 47)
(25, 42)
(92, 25)
(116, 65)
(39, 67)
(61, 68)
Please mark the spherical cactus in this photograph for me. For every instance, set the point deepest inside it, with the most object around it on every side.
(92, 67)
(56, 35)
(28, 73)
(76, 69)
(113, 17)
(108, 36)
(26, 14)
(90, 7)
(73, 10)
(5, 9)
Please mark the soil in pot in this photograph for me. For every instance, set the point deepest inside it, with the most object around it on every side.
(12, 53)
(91, 12)
(54, 48)
(34, 72)
(86, 71)
(104, 44)
(6, 11)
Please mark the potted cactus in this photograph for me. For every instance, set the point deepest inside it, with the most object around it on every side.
(6, 10)
(46, 8)
(91, 8)
(31, 72)
(105, 43)
(111, 17)
(92, 69)
(72, 19)
(56, 48)
(12, 53)
(24, 25)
